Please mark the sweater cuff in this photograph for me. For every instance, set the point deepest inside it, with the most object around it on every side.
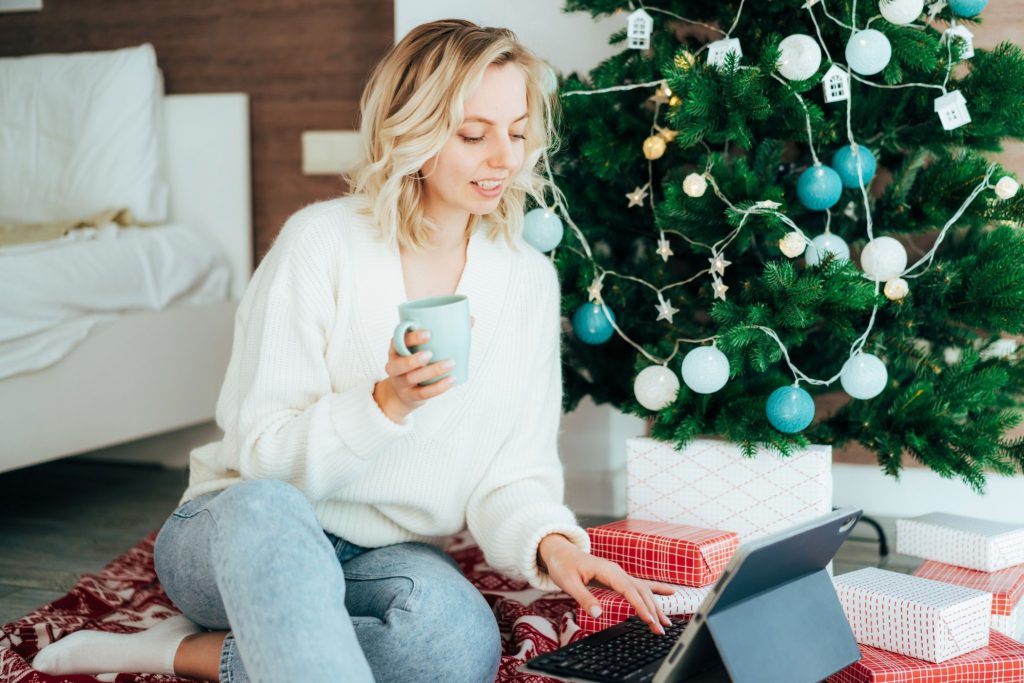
(362, 426)
(538, 525)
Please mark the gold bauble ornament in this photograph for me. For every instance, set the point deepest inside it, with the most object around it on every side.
(896, 288)
(674, 101)
(684, 60)
(654, 147)
(694, 185)
(793, 244)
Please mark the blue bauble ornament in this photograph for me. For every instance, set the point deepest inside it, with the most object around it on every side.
(864, 376)
(542, 228)
(967, 8)
(705, 369)
(844, 161)
(590, 324)
(790, 409)
(819, 188)
(868, 52)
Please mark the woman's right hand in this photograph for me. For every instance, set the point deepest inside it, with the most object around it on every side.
(400, 393)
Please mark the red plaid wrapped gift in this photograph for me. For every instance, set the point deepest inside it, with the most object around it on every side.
(962, 541)
(917, 617)
(1005, 585)
(683, 555)
(1002, 661)
(615, 608)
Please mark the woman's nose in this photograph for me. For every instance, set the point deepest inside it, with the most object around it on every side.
(503, 153)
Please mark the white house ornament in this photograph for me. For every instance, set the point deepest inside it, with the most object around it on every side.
(720, 49)
(695, 185)
(836, 84)
(638, 29)
(1007, 187)
(799, 57)
(952, 110)
(960, 32)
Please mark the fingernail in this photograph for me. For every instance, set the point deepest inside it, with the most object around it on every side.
(427, 355)
(448, 364)
(595, 611)
(426, 335)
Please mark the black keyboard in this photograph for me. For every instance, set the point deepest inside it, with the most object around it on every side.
(620, 653)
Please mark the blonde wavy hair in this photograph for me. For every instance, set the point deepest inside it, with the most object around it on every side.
(413, 103)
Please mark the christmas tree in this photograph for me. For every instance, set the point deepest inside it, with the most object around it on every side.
(784, 200)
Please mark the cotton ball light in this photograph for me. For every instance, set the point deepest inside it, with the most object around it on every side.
(655, 387)
(827, 243)
(542, 229)
(901, 12)
(800, 57)
(967, 8)
(868, 52)
(590, 324)
(1007, 187)
(896, 289)
(883, 258)
(844, 161)
(705, 369)
(863, 376)
(790, 409)
(654, 147)
(819, 188)
(695, 185)
(793, 244)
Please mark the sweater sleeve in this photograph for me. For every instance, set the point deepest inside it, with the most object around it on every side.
(519, 500)
(291, 423)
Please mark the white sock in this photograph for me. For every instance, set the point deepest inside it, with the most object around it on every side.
(96, 652)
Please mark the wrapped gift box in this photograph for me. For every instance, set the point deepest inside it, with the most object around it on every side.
(909, 615)
(962, 541)
(673, 553)
(1005, 585)
(615, 608)
(1002, 661)
(712, 485)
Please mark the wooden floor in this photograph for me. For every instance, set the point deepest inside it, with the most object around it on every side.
(70, 517)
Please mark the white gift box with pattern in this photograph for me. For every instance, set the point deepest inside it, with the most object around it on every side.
(711, 484)
(962, 541)
(912, 616)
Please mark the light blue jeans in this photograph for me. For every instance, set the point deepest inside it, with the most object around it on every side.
(305, 605)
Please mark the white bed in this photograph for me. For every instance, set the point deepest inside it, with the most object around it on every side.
(145, 373)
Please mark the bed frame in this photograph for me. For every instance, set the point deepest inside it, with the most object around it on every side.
(150, 372)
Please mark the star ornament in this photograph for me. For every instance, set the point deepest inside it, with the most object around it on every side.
(720, 289)
(718, 264)
(666, 310)
(935, 8)
(636, 197)
(594, 291)
(664, 250)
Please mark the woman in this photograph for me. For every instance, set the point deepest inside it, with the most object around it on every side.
(309, 541)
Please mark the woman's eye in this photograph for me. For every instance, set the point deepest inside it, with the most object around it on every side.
(520, 137)
(471, 140)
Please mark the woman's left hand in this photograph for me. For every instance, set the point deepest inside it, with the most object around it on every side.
(572, 569)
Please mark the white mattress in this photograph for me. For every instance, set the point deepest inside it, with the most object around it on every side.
(53, 293)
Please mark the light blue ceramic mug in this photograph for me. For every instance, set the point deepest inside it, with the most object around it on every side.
(447, 320)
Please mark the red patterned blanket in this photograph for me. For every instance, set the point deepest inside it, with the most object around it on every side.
(125, 597)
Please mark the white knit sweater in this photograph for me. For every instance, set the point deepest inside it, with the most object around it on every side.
(312, 334)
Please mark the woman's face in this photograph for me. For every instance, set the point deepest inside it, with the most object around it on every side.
(474, 167)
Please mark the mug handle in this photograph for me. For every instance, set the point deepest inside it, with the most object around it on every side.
(399, 336)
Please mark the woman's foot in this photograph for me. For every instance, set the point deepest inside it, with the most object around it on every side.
(96, 652)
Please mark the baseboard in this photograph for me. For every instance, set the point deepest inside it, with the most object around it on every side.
(170, 450)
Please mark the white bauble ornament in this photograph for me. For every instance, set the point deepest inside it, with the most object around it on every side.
(793, 244)
(1007, 187)
(883, 259)
(695, 185)
(868, 52)
(901, 12)
(656, 387)
(800, 57)
(864, 376)
(896, 288)
(705, 369)
(826, 243)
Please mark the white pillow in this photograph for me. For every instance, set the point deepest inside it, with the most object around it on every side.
(79, 134)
